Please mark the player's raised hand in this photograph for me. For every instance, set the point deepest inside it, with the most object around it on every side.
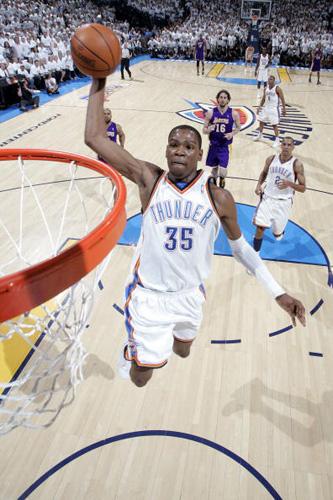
(293, 307)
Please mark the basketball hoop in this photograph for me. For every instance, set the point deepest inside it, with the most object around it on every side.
(49, 279)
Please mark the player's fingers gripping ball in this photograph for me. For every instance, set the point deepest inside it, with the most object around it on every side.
(95, 50)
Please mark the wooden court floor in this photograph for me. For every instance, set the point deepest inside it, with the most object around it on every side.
(246, 420)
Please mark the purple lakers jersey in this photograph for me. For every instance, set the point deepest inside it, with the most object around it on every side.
(199, 49)
(223, 124)
(111, 132)
(318, 54)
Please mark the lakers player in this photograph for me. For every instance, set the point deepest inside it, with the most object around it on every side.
(283, 174)
(182, 215)
(113, 130)
(222, 123)
(269, 109)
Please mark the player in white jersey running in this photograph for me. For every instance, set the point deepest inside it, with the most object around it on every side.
(261, 70)
(283, 174)
(269, 109)
(182, 215)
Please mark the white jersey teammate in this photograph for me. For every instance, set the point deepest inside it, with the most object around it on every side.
(283, 174)
(261, 70)
(269, 109)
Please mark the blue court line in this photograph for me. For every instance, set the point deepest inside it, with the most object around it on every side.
(239, 81)
(316, 307)
(118, 309)
(130, 435)
(235, 341)
(318, 354)
(278, 332)
(64, 88)
(44, 98)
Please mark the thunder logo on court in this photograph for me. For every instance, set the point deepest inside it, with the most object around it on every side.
(295, 123)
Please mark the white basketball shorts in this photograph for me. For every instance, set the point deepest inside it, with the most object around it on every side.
(273, 213)
(262, 75)
(269, 115)
(154, 319)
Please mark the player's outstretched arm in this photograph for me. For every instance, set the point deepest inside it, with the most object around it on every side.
(140, 172)
(250, 259)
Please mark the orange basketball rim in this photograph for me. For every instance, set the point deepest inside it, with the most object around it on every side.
(23, 290)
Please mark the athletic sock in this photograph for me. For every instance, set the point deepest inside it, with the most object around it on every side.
(257, 244)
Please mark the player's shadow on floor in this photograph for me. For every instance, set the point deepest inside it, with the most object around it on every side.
(94, 366)
(255, 397)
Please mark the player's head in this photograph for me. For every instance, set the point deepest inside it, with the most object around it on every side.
(287, 145)
(183, 151)
(107, 115)
(223, 98)
(271, 81)
(264, 51)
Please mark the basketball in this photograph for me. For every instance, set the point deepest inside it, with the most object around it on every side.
(95, 50)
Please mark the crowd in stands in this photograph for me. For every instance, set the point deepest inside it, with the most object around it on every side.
(291, 35)
(35, 36)
(35, 43)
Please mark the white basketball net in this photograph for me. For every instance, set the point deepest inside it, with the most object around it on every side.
(41, 352)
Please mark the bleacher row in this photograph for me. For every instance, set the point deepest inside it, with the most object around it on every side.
(35, 36)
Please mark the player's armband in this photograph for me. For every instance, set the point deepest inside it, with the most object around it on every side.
(245, 254)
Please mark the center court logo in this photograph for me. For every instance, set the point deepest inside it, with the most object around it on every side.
(295, 124)
(198, 110)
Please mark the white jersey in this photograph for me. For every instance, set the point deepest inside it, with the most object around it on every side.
(279, 171)
(263, 61)
(272, 99)
(178, 232)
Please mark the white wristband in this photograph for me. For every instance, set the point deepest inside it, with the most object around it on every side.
(245, 254)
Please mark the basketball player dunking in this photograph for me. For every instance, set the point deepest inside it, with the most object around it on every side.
(200, 52)
(222, 124)
(283, 174)
(182, 216)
